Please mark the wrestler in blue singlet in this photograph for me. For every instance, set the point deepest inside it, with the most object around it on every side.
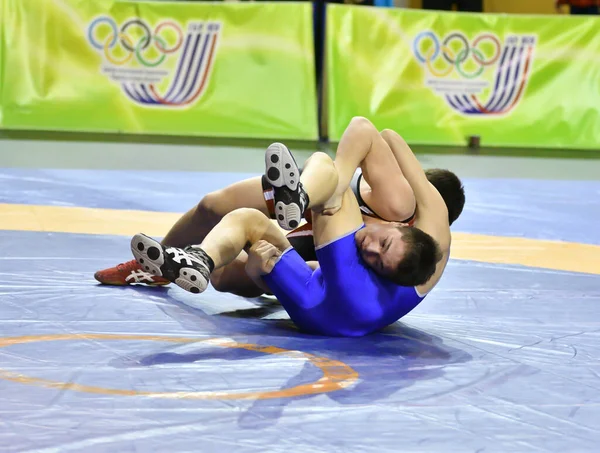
(344, 297)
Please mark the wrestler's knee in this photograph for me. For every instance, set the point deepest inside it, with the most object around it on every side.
(325, 164)
(214, 205)
(319, 158)
(249, 216)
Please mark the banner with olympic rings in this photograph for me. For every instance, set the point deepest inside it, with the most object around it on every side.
(439, 78)
(209, 69)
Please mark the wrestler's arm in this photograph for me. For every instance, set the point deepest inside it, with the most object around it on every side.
(355, 144)
(431, 209)
(432, 213)
(383, 187)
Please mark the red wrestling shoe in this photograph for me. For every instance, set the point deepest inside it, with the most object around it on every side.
(128, 273)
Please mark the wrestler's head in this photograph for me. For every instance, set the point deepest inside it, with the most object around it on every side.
(450, 188)
(405, 255)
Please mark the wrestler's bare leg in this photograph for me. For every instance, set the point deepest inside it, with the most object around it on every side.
(195, 224)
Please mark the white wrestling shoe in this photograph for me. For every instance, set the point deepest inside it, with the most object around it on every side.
(188, 268)
(282, 172)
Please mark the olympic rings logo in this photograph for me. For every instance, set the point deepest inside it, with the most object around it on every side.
(122, 36)
(456, 59)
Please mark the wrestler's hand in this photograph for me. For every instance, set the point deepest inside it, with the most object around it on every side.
(262, 257)
(333, 205)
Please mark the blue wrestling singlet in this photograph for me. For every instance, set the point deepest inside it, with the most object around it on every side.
(344, 297)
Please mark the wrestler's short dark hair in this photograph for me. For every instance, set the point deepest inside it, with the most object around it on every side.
(419, 261)
(450, 188)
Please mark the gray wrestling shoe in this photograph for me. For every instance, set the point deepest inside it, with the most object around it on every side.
(188, 268)
(283, 174)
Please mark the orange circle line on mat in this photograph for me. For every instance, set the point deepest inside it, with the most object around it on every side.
(336, 375)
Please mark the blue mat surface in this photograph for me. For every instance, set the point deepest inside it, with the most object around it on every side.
(498, 358)
(539, 209)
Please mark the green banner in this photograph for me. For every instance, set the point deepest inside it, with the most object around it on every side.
(210, 69)
(438, 78)
(2, 53)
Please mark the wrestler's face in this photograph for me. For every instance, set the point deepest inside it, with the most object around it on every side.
(381, 246)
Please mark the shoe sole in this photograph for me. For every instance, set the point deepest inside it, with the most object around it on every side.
(281, 168)
(282, 171)
(149, 254)
(191, 280)
(288, 215)
(155, 259)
